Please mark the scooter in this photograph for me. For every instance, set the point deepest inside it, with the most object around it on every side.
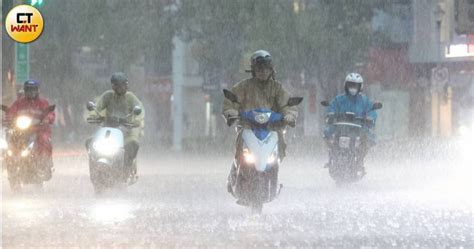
(106, 151)
(21, 160)
(258, 162)
(348, 145)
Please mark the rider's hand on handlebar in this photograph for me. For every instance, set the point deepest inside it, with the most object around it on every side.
(330, 118)
(95, 119)
(290, 120)
(231, 114)
(369, 122)
(122, 120)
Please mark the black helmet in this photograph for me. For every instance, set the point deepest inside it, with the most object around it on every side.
(31, 88)
(31, 83)
(119, 78)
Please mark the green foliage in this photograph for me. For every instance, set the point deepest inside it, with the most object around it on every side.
(118, 32)
(324, 38)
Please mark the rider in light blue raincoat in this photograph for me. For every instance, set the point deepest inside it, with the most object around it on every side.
(353, 101)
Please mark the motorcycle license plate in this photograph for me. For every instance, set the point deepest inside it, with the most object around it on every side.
(344, 142)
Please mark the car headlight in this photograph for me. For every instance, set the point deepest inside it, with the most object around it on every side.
(248, 156)
(106, 146)
(23, 122)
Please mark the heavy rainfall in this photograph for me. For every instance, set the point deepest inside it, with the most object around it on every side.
(385, 164)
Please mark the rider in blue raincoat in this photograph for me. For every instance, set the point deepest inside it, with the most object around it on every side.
(353, 101)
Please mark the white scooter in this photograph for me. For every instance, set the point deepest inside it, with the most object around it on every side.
(257, 167)
(106, 151)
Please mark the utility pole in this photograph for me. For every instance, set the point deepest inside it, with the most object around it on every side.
(437, 89)
(22, 51)
(177, 104)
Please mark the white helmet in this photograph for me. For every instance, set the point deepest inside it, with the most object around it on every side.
(353, 83)
(261, 57)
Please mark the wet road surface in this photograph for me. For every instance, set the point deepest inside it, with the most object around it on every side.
(181, 202)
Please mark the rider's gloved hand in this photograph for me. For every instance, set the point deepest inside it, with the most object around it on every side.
(91, 117)
(94, 119)
(290, 120)
(122, 120)
(231, 114)
(369, 122)
(134, 123)
(330, 118)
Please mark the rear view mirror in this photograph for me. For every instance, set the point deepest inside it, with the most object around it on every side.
(137, 110)
(230, 96)
(294, 101)
(90, 106)
(325, 103)
(377, 105)
(4, 108)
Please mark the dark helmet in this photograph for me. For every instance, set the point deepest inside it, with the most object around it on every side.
(31, 83)
(119, 78)
(31, 88)
(261, 58)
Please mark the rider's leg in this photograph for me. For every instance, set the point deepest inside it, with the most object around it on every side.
(370, 141)
(131, 151)
(88, 142)
(329, 144)
(233, 169)
(328, 135)
(281, 145)
(45, 154)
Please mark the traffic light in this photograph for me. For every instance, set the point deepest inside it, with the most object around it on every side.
(36, 3)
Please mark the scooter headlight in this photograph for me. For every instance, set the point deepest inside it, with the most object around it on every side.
(248, 156)
(262, 118)
(23, 122)
(106, 146)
